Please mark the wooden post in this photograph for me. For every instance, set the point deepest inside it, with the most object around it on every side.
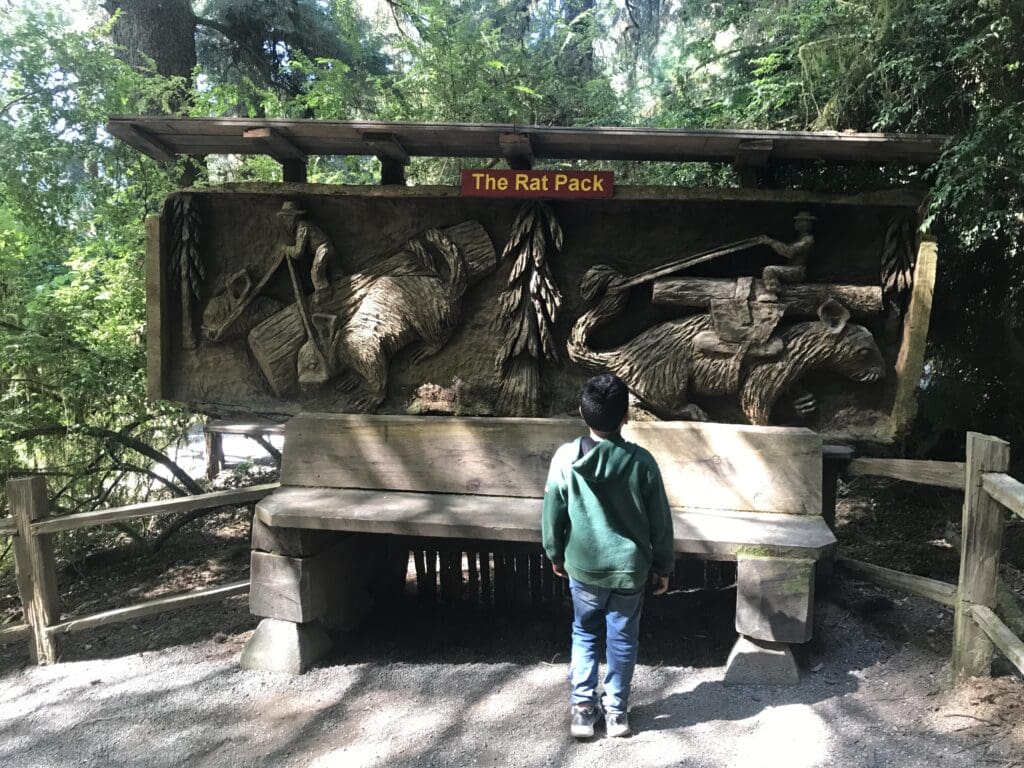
(293, 171)
(33, 559)
(214, 454)
(979, 556)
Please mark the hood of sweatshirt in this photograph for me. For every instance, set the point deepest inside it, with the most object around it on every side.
(608, 460)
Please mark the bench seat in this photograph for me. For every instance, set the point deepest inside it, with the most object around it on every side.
(720, 535)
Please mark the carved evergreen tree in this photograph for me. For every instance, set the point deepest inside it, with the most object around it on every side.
(528, 310)
(186, 264)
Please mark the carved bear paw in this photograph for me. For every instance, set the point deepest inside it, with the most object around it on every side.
(805, 405)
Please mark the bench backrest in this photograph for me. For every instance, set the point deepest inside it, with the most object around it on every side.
(705, 466)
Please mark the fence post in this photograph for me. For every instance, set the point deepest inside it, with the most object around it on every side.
(33, 559)
(979, 556)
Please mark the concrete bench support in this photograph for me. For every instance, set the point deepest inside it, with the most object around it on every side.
(774, 605)
(759, 662)
(301, 598)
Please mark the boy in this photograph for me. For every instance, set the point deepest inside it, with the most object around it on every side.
(606, 525)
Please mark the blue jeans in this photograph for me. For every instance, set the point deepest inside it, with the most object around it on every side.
(618, 613)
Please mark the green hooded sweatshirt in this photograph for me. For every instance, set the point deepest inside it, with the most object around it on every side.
(606, 516)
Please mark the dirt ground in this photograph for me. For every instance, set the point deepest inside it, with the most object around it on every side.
(457, 685)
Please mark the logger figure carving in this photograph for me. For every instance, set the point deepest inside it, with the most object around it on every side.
(353, 325)
(737, 348)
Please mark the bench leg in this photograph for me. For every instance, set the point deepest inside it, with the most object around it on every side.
(285, 646)
(774, 607)
(307, 583)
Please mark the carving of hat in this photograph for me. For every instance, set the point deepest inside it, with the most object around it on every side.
(291, 209)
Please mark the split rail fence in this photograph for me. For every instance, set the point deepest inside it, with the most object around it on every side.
(978, 631)
(32, 528)
(988, 493)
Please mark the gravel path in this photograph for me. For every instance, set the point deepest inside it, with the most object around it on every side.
(439, 688)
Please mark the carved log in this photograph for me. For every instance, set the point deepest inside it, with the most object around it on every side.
(275, 344)
(476, 248)
(803, 298)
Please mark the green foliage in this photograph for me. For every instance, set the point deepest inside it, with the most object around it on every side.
(72, 209)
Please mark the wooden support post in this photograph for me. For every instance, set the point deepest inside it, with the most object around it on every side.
(291, 157)
(485, 577)
(294, 171)
(517, 150)
(214, 454)
(979, 556)
(834, 458)
(392, 155)
(474, 577)
(37, 571)
(751, 161)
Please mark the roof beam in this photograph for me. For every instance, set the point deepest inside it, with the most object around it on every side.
(386, 147)
(275, 144)
(147, 143)
(517, 149)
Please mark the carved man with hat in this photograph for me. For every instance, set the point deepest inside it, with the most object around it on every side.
(308, 238)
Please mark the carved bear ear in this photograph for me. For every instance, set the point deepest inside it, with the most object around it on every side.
(833, 316)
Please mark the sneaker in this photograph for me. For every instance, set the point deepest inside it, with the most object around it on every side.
(583, 718)
(617, 724)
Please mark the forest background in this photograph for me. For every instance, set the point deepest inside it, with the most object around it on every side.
(73, 201)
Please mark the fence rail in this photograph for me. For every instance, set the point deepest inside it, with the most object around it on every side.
(32, 528)
(988, 491)
(947, 474)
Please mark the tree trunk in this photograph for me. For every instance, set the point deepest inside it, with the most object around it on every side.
(578, 56)
(163, 31)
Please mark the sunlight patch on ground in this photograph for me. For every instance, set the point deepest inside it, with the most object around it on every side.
(789, 736)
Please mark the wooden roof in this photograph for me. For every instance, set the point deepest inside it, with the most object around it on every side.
(164, 137)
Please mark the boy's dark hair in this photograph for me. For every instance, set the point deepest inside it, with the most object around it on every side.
(603, 402)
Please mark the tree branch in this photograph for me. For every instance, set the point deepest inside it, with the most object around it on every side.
(126, 440)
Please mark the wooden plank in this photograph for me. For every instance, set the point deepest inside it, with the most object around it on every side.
(292, 589)
(947, 474)
(904, 198)
(1008, 491)
(8, 527)
(329, 137)
(150, 607)
(147, 143)
(226, 428)
(757, 469)
(982, 532)
(35, 565)
(235, 497)
(15, 633)
(910, 360)
(495, 518)
(273, 142)
(157, 331)
(922, 586)
(1000, 635)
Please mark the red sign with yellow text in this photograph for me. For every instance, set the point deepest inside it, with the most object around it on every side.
(506, 183)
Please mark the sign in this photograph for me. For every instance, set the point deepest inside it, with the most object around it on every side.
(507, 183)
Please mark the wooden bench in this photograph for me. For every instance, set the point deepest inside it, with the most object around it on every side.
(748, 494)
